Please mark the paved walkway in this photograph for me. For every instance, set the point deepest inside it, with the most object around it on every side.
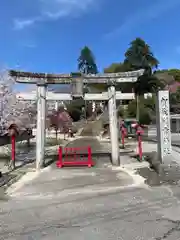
(99, 203)
(90, 204)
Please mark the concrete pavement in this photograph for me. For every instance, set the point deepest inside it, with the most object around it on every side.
(100, 203)
(80, 204)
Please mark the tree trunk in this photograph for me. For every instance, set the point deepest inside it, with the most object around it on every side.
(137, 107)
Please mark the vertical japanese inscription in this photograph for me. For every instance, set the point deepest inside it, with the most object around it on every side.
(164, 117)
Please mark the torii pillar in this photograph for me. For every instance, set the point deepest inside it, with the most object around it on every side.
(41, 123)
(113, 126)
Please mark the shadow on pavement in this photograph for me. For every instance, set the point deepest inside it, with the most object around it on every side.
(169, 175)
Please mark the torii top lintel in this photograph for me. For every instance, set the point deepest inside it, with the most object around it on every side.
(34, 78)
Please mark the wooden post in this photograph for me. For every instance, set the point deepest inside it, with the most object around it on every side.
(41, 123)
(163, 125)
(113, 126)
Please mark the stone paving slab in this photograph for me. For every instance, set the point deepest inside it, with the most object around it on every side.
(91, 203)
(92, 128)
(70, 180)
(97, 146)
(129, 213)
(84, 142)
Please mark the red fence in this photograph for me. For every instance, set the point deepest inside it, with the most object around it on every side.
(76, 156)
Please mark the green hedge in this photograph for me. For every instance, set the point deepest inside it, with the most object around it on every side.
(146, 110)
(75, 114)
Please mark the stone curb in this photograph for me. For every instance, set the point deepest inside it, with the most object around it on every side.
(175, 154)
(126, 150)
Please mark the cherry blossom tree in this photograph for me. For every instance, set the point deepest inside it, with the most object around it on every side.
(61, 120)
(12, 110)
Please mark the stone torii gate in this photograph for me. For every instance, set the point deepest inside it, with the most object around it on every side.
(77, 82)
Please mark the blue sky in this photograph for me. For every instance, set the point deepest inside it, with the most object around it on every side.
(47, 35)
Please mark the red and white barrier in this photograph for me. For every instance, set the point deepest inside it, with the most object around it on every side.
(74, 156)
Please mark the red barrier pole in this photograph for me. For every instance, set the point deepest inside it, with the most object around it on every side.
(140, 153)
(140, 146)
(13, 149)
(59, 163)
(89, 157)
(123, 133)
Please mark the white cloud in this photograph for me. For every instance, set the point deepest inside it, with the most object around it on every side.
(157, 8)
(20, 24)
(55, 9)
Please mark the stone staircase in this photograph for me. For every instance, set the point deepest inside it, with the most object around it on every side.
(94, 128)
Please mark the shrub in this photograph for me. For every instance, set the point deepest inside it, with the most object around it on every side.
(77, 104)
(150, 103)
(144, 116)
(75, 113)
(75, 109)
(145, 112)
(121, 112)
(131, 110)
